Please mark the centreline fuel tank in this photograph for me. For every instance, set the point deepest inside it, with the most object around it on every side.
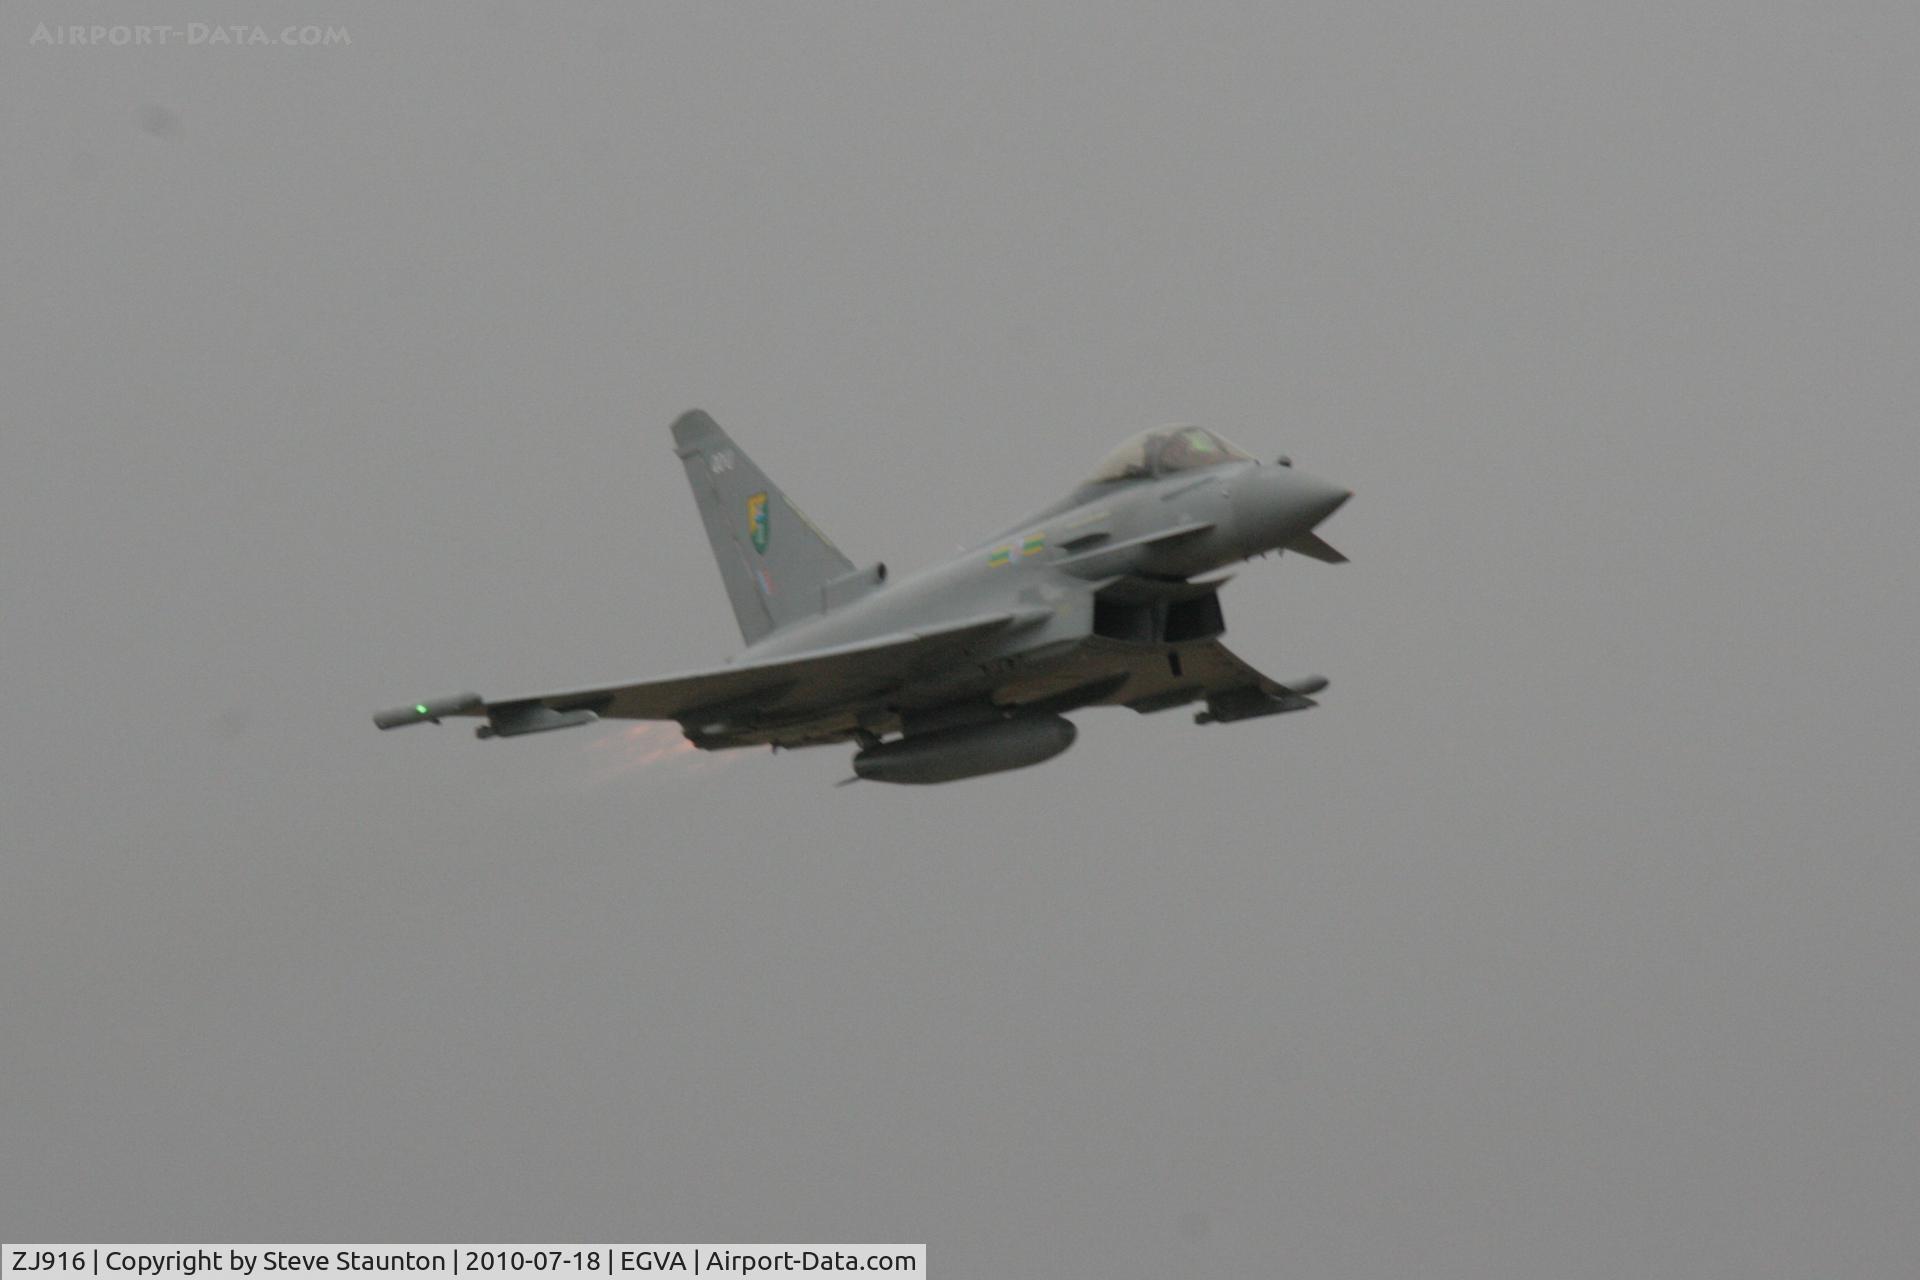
(948, 755)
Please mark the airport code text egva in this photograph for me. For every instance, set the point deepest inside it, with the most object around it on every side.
(250, 1262)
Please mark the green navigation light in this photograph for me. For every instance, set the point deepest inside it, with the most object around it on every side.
(421, 707)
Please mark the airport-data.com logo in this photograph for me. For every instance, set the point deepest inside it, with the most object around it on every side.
(203, 35)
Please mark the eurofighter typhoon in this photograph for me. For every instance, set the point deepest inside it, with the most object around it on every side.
(1108, 597)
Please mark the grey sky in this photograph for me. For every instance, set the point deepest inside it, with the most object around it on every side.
(1573, 936)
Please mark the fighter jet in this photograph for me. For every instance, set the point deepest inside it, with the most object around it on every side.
(1108, 597)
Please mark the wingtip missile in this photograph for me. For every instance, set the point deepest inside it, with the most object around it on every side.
(431, 710)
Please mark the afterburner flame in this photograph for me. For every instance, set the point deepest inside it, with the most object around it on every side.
(655, 748)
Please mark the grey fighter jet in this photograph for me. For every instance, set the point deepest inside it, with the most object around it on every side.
(1109, 597)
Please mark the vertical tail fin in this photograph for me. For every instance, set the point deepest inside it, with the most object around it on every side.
(772, 560)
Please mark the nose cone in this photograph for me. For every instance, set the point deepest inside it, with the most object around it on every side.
(1273, 505)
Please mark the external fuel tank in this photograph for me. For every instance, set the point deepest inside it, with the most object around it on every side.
(947, 755)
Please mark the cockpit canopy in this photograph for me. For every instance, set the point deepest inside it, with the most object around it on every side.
(1163, 451)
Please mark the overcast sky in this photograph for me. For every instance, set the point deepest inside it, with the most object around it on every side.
(1574, 935)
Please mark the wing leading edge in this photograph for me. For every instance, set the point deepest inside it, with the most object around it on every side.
(1148, 678)
(708, 703)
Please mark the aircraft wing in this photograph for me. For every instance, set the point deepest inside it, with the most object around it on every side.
(1148, 679)
(1233, 689)
(818, 678)
(1225, 669)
